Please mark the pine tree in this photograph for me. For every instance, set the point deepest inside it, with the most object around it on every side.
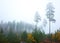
(37, 19)
(50, 15)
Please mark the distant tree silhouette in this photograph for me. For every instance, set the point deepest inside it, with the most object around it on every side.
(44, 22)
(37, 19)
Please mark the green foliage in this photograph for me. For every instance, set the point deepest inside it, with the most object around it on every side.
(24, 36)
(1, 30)
(38, 35)
(29, 41)
(12, 37)
(3, 39)
(49, 36)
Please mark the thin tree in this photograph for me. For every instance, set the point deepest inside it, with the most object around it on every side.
(37, 19)
(50, 15)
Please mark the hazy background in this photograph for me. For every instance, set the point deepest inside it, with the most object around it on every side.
(24, 10)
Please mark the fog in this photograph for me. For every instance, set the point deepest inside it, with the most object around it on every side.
(24, 10)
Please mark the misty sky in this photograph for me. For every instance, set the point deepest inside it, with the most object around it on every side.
(24, 10)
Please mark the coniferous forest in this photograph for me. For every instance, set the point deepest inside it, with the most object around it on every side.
(23, 32)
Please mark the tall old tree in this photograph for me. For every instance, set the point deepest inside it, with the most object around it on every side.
(50, 15)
